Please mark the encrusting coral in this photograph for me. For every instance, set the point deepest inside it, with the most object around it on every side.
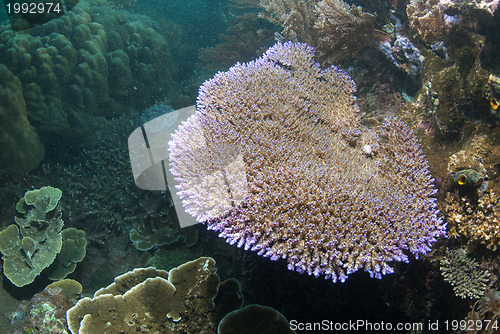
(464, 274)
(70, 287)
(275, 160)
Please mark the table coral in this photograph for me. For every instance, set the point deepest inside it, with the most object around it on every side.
(271, 163)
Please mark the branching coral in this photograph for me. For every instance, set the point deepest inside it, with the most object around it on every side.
(464, 274)
(296, 17)
(344, 30)
(335, 28)
(477, 221)
(428, 20)
(276, 160)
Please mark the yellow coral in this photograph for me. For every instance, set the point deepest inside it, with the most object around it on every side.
(475, 220)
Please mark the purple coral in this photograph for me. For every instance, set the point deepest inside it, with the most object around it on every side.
(265, 161)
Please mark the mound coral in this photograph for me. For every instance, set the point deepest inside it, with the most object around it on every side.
(94, 60)
(20, 147)
(275, 159)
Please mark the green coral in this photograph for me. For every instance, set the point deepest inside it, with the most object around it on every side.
(43, 200)
(148, 238)
(31, 245)
(167, 259)
(144, 239)
(73, 250)
(94, 60)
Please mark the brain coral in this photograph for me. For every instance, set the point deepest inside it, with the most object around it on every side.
(275, 159)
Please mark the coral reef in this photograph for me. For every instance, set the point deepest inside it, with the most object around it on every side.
(46, 311)
(30, 245)
(464, 274)
(94, 60)
(276, 161)
(139, 301)
(20, 147)
(452, 91)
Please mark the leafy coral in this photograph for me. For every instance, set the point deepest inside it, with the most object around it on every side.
(32, 244)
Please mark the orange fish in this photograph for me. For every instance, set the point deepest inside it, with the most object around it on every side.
(494, 103)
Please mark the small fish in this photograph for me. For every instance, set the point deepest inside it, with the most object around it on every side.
(494, 103)
(494, 87)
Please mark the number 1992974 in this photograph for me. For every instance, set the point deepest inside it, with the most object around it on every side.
(34, 8)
